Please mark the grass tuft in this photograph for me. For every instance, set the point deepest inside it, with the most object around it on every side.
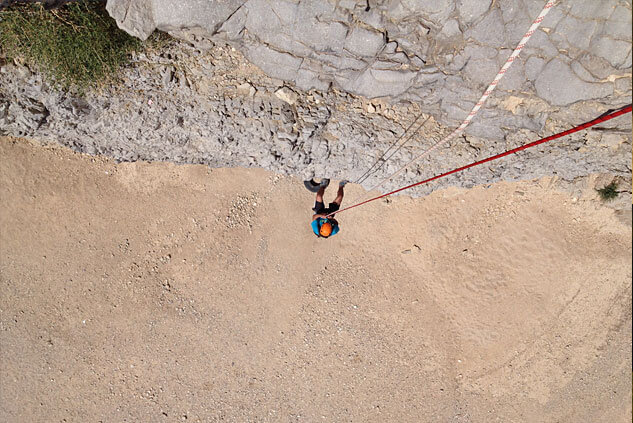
(77, 45)
(609, 192)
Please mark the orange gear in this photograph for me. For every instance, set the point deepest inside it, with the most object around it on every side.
(325, 230)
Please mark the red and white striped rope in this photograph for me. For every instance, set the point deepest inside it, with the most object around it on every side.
(548, 6)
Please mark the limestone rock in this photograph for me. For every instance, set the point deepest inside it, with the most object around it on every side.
(427, 56)
(470, 10)
(362, 42)
(246, 89)
(558, 85)
(287, 95)
(613, 51)
(141, 17)
(133, 16)
(385, 51)
(274, 63)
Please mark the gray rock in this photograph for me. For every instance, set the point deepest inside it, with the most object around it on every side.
(362, 42)
(582, 73)
(342, 62)
(481, 71)
(514, 78)
(373, 20)
(619, 24)
(627, 62)
(598, 66)
(436, 11)
(533, 67)
(489, 31)
(553, 17)
(613, 51)
(133, 16)
(559, 86)
(390, 47)
(451, 28)
(274, 63)
(476, 52)
(328, 37)
(342, 43)
(516, 20)
(307, 79)
(406, 51)
(541, 45)
(171, 16)
(232, 29)
(374, 83)
(470, 10)
(348, 4)
(576, 33)
(593, 9)
(140, 17)
(623, 84)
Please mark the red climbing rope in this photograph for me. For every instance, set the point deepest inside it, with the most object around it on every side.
(586, 125)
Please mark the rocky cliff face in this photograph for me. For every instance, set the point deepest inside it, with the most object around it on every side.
(341, 82)
(440, 54)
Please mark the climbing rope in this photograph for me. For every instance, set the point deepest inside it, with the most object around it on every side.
(603, 118)
(369, 171)
(537, 22)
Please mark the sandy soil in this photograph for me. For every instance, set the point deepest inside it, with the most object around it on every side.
(155, 292)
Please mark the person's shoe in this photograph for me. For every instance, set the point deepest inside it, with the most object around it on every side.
(324, 183)
(311, 185)
(343, 183)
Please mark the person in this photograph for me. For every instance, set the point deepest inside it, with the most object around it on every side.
(322, 225)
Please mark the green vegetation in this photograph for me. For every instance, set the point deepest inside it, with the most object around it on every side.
(77, 45)
(609, 192)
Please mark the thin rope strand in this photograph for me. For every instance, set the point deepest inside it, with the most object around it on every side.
(360, 179)
(408, 138)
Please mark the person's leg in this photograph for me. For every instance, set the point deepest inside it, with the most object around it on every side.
(339, 196)
(319, 195)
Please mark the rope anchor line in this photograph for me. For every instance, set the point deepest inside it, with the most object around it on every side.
(603, 118)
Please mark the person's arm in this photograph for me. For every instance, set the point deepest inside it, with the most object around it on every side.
(316, 216)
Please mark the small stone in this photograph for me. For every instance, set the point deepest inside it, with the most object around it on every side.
(451, 28)
(287, 95)
(246, 90)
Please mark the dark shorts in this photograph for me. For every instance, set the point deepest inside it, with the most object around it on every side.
(319, 208)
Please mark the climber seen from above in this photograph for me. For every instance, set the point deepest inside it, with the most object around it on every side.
(322, 225)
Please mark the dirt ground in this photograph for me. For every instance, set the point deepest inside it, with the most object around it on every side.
(155, 292)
